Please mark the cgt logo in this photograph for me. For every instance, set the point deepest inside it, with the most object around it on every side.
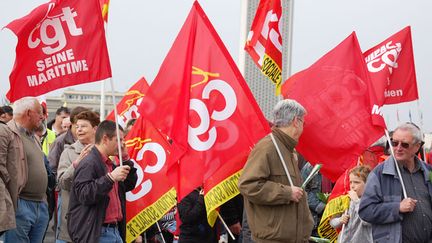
(51, 32)
(203, 112)
(143, 185)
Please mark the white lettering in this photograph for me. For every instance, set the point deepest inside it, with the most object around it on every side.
(52, 33)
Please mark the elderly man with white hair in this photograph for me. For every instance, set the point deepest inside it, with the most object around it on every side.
(28, 174)
(395, 218)
(277, 211)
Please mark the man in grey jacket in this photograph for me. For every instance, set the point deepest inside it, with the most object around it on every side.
(394, 218)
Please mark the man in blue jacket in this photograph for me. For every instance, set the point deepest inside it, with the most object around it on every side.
(393, 217)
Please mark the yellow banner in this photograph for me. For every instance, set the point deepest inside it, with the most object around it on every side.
(220, 194)
(150, 215)
(334, 207)
(272, 71)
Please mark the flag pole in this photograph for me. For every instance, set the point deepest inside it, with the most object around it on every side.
(396, 165)
(102, 100)
(342, 230)
(116, 122)
(226, 226)
(282, 160)
(160, 231)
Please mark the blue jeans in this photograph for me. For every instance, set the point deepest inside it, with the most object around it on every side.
(110, 235)
(31, 221)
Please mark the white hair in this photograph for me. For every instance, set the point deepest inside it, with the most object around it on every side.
(285, 111)
(413, 129)
(22, 105)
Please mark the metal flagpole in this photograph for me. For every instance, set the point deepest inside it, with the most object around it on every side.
(282, 160)
(102, 101)
(160, 231)
(226, 226)
(396, 165)
(102, 96)
(116, 122)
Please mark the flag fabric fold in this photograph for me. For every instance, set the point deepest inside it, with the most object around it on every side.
(339, 124)
(60, 43)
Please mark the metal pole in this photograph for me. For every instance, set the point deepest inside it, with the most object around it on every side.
(116, 122)
(396, 165)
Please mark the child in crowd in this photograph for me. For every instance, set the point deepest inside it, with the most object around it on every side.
(355, 230)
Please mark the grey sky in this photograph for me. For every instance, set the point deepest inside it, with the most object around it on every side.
(140, 34)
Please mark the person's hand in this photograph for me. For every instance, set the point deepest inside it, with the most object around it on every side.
(353, 195)
(297, 194)
(407, 205)
(120, 173)
(84, 152)
(344, 218)
(201, 192)
(139, 239)
(235, 228)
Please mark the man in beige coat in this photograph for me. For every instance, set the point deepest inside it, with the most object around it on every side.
(7, 155)
(276, 211)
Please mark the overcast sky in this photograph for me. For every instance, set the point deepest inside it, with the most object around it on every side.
(140, 34)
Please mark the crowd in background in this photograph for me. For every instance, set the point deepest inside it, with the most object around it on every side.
(66, 170)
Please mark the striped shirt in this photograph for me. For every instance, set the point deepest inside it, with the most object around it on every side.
(417, 225)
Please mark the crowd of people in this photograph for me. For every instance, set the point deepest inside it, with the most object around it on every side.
(67, 171)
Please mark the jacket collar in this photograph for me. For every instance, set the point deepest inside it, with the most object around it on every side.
(390, 169)
(77, 146)
(286, 140)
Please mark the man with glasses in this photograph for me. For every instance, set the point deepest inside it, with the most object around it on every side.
(393, 217)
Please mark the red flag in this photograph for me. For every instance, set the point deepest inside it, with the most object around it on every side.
(153, 195)
(392, 70)
(127, 107)
(264, 43)
(104, 4)
(207, 108)
(335, 93)
(60, 43)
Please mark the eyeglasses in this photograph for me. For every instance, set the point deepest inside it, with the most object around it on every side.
(302, 120)
(395, 143)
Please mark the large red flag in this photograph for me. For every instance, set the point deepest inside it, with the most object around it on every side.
(205, 105)
(339, 124)
(60, 43)
(392, 70)
(153, 195)
(127, 107)
(264, 43)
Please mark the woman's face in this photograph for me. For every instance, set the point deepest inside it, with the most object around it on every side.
(85, 132)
